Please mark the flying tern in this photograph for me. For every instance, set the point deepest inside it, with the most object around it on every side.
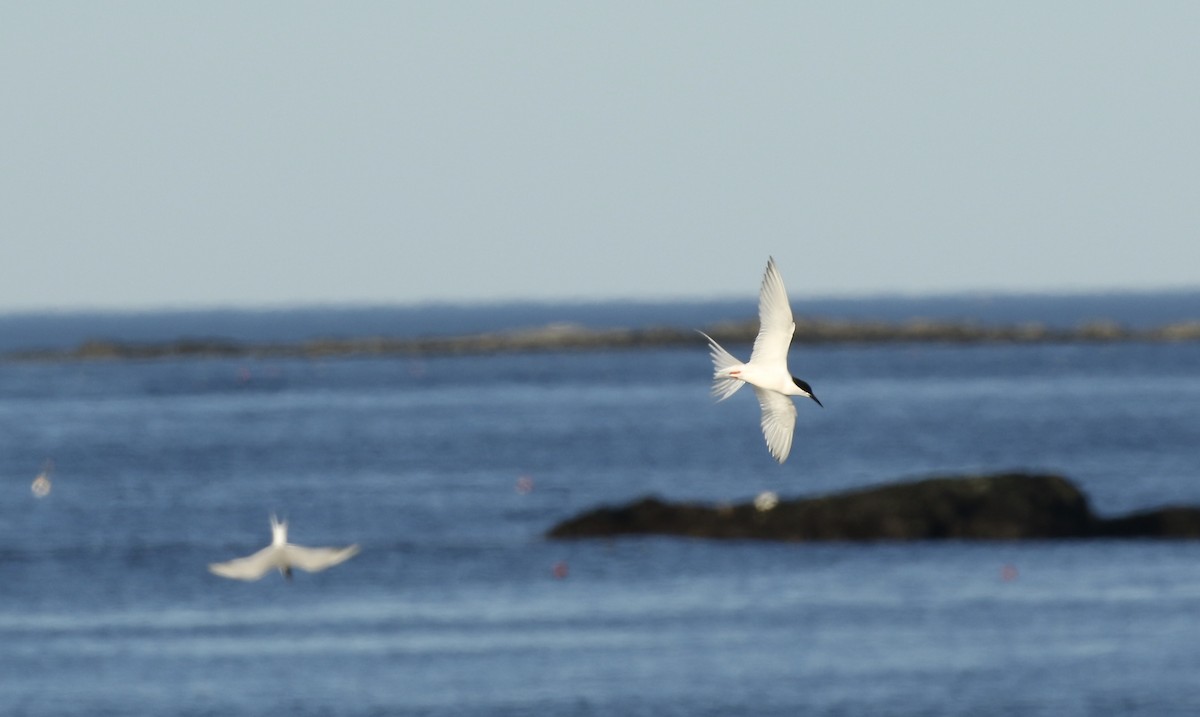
(767, 369)
(283, 556)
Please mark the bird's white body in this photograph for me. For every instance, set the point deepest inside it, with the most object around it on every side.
(767, 369)
(282, 556)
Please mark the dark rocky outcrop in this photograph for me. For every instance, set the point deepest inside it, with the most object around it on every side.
(571, 337)
(1177, 522)
(1011, 506)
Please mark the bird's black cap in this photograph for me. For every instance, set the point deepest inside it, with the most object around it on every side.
(803, 385)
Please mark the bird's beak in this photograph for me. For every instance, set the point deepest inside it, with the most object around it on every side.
(817, 400)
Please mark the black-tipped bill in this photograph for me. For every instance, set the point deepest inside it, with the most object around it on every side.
(803, 386)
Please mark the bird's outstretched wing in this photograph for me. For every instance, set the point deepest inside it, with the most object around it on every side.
(778, 421)
(776, 324)
(317, 559)
(251, 567)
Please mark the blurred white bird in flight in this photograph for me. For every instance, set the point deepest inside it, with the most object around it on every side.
(283, 556)
(767, 369)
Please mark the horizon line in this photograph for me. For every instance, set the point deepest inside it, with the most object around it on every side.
(365, 305)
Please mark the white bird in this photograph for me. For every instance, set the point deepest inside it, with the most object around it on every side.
(767, 369)
(283, 556)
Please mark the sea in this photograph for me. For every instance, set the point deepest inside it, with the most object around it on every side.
(121, 481)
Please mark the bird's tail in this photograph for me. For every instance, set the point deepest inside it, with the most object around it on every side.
(724, 385)
(278, 531)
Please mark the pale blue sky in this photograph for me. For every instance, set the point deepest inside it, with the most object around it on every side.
(264, 154)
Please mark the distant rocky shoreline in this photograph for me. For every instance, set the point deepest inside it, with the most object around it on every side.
(1008, 506)
(571, 337)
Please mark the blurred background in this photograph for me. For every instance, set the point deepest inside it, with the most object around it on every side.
(274, 173)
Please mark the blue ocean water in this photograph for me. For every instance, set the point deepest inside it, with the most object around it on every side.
(458, 606)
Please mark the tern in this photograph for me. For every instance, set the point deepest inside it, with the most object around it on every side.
(283, 556)
(767, 369)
